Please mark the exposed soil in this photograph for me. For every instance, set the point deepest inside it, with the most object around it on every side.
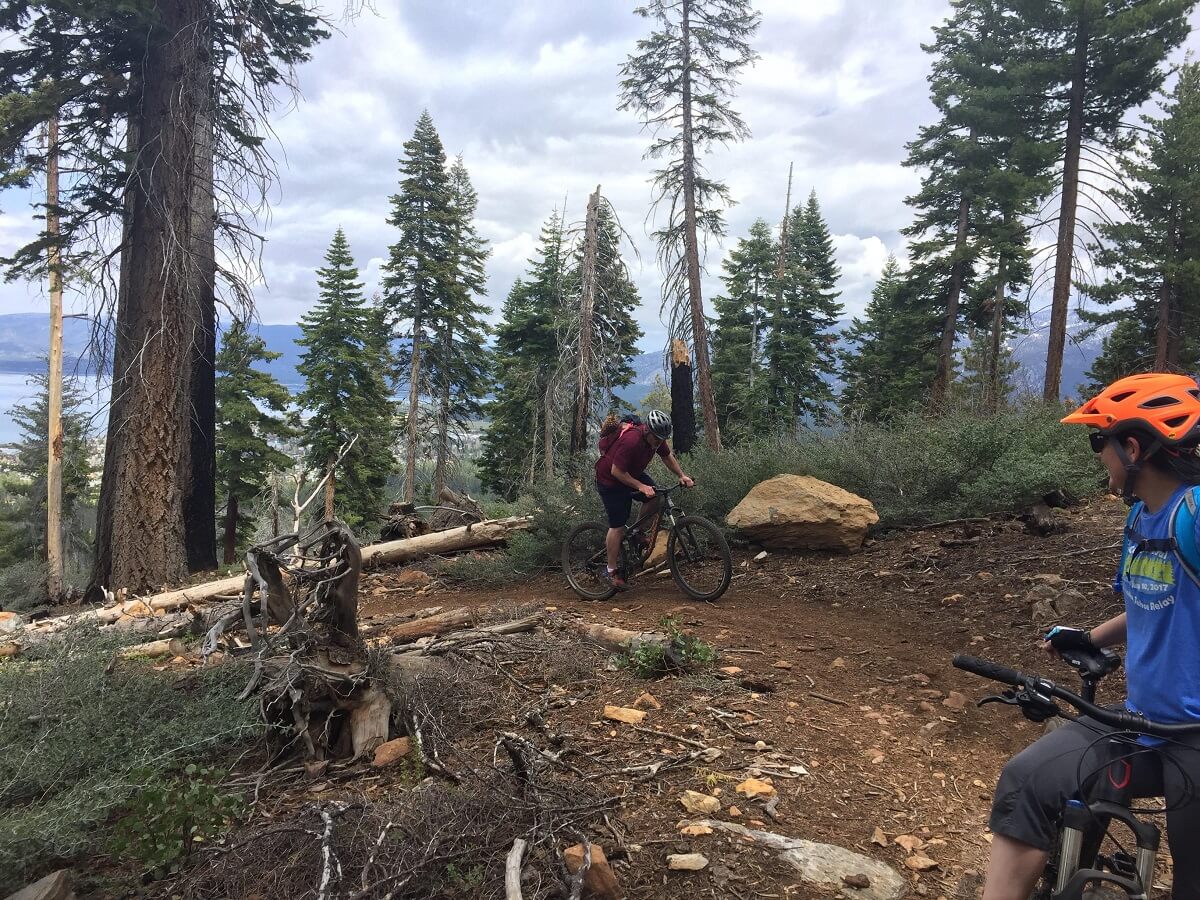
(845, 672)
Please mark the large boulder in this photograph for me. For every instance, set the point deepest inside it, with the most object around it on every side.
(798, 512)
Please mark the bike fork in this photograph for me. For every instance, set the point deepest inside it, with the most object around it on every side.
(1080, 820)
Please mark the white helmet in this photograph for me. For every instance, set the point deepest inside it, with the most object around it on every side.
(659, 423)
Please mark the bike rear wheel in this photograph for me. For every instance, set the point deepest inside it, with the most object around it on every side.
(585, 561)
(699, 558)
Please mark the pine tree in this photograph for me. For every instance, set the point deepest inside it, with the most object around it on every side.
(680, 81)
(985, 163)
(982, 385)
(28, 503)
(738, 335)
(527, 353)
(1153, 257)
(250, 413)
(345, 364)
(419, 285)
(801, 353)
(891, 352)
(457, 361)
(1103, 58)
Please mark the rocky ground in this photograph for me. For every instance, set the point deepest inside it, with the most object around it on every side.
(834, 683)
(832, 714)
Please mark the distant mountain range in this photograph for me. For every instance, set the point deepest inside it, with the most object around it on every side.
(24, 338)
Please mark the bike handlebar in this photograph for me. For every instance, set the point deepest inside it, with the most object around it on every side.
(1123, 721)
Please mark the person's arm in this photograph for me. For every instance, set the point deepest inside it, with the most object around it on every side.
(629, 481)
(1111, 633)
(673, 464)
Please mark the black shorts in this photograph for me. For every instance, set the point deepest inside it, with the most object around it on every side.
(1039, 780)
(618, 501)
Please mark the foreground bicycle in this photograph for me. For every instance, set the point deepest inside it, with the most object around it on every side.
(1076, 865)
(696, 552)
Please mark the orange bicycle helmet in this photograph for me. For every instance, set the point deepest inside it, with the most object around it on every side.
(1165, 405)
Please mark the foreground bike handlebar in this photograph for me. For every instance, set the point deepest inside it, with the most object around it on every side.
(1124, 721)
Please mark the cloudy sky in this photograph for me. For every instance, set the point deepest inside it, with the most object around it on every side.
(526, 91)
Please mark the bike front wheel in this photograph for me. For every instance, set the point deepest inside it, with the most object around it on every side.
(585, 561)
(699, 558)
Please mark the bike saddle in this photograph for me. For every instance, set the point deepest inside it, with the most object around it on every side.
(1092, 663)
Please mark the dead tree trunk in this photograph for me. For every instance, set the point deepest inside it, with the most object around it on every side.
(683, 403)
(330, 466)
(548, 430)
(414, 404)
(442, 463)
(231, 518)
(140, 525)
(54, 461)
(993, 393)
(1065, 252)
(708, 403)
(587, 306)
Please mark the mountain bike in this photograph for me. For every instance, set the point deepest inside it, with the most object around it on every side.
(1077, 868)
(697, 552)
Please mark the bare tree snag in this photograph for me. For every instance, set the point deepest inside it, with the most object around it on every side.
(330, 465)
(54, 461)
(945, 357)
(587, 309)
(683, 404)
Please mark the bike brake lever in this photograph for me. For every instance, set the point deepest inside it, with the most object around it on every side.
(1008, 698)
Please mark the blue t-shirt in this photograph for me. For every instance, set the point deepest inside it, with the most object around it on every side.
(1162, 658)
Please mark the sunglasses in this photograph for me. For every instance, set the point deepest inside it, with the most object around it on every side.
(1098, 441)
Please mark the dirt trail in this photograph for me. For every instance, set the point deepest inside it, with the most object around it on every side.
(847, 661)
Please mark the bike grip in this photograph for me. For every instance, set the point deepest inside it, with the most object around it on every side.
(988, 669)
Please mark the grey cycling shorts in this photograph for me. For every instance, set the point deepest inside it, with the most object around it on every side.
(1037, 782)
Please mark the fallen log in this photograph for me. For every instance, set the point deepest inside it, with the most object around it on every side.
(468, 537)
(615, 639)
(431, 625)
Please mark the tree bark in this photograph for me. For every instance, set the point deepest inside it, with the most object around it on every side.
(54, 442)
(1065, 254)
(231, 520)
(945, 358)
(992, 391)
(414, 403)
(200, 504)
(683, 403)
(1162, 336)
(140, 525)
(548, 430)
(587, 307)
(708, 404)
(330, 487)
(443, 422)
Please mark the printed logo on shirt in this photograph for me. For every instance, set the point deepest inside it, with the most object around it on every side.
(1149, 575)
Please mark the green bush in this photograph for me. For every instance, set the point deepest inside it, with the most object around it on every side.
(680, 654)
(915, 470)
(23, 585)
(82, 737)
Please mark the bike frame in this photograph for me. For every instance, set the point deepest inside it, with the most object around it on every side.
(667, 512)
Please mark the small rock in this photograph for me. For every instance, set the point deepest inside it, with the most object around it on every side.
(55, 886)
(879, 838)
(754, 787)
(917, 678)
(782, 664)
(696, 830)
(909, 842)
(697, 803)
(838, 663)
(11, 623)
(735, 812)
(955, 700)
(391, 752)
(413, 578)
(874, 756)
(919, 863)
(647, 701)
(761, 556)
(926, 706)
(687, 862)
(856, 881)
(624, 714)
(760, 745)
(730, 670)
(599, 883)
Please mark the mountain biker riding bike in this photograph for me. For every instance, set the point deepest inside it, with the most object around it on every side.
(1146, 434)
(621, 478)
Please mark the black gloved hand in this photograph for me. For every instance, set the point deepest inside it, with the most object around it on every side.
(1063, 638)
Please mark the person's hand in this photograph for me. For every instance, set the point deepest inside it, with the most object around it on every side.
(646, 490)
(1063, 638)
(687, 481)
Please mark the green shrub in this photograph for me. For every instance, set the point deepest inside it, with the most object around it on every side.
(167, 816)
(80, 741)
(915, 470)
(681, 653)
(23, 585)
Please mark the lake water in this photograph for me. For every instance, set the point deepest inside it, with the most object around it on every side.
(16, 389)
